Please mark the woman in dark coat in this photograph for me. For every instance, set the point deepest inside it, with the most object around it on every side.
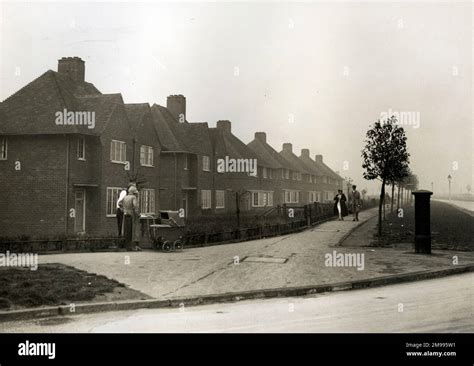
(340, 208)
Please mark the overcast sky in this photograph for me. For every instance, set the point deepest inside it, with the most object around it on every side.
(314, 74)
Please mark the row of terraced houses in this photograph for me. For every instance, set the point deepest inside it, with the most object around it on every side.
(64, 178)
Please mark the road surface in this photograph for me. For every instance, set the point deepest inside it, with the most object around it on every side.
(438, 305)
(464, 205)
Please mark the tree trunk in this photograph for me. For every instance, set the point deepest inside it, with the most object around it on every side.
(398, 197)
(393, 193)
(381, 202)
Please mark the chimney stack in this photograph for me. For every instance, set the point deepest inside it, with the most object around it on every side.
(74, 67)
(224, 125)
(305, 153)
(288, 147)
(319, 158)
(261, 136)
(176, 104)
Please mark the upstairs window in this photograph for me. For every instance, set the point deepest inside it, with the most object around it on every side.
(206, 163)
(146, 155)
(118, 151)
(185, 163)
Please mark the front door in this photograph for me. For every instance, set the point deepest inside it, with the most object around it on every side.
(80, 207)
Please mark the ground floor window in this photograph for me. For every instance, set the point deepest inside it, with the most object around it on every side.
(147, 201)
(111, 201)
(291, 196)
(262, 198)
(220, 199)
(206, 199)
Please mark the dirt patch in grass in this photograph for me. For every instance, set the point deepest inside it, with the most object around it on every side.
(57, 284)
(451, 228)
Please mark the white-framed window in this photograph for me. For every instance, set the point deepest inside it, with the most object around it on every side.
(206, 163)
(313, 196)
(318, 197)
(146, 201)
(3, 148)
(264, 173)
(292, 196)
(111, 200)
(146, 155)
(81, 148)
(206, 201)
(220, 199)
(270, 173)
(328, 195)
(118, 151)
(262, 198)
(325, 179)
(185, 162)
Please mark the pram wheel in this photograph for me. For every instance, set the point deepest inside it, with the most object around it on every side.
(166, 246)
(178, 245)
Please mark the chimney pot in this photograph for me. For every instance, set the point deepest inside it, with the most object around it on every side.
(305, 153)
(287, 147)
(261, 136)
(74, 67)
(176, 104)
(224, 125)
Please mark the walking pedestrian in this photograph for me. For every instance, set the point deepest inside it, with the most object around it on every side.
(355, 203)
(340, 207)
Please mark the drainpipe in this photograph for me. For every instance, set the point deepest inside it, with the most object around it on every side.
(67, 186)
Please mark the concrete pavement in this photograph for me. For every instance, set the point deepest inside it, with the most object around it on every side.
(437, 305)
(279, 262)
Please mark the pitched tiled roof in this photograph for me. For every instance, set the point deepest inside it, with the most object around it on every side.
(184, 137)
(136, 114)
(295, 162)
(230, 145)
(103, 105)
(162, 119)
(310, 164)
(195, 137)
(268, 156)
(32, 109)
(329, 171)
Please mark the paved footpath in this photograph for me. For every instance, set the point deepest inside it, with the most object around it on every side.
(224, 268)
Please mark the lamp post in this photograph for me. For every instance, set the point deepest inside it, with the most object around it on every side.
(449, 183)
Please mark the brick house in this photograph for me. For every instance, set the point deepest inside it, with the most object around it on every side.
(186, 169)
(302, 179)
(242, 184)
(63, 176)
(278, 170)
(327, 181)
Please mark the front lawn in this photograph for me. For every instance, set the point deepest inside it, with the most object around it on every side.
(57, 284)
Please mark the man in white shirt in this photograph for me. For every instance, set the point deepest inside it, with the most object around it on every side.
(119, 211)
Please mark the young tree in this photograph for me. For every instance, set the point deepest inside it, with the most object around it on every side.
(385, 156)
